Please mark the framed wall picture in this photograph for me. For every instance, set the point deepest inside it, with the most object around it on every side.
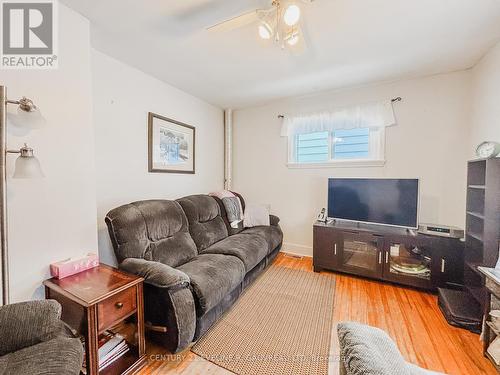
(171, 145)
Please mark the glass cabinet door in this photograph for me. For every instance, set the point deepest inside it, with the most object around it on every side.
(408, 263)
(361, 254)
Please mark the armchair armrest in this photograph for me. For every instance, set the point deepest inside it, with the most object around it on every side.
(156, 273)
(29, 323)
(274, 220)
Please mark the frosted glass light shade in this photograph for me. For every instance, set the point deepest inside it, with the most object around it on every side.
(292, 15)
(27, 120)
(27, 167)
(293, 39)
(265, 31)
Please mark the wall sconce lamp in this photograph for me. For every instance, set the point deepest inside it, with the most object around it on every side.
(27, 166)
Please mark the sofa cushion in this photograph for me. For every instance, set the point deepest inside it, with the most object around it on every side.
(62, 356)
(212, 277)
(249, 248)
(367, 350)
(205, 222)
(272, 235)
(153, 230)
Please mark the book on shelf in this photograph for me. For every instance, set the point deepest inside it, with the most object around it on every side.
(111, 347)
(109, 343)
(119, 352)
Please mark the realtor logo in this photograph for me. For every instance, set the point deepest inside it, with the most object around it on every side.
(28, 35)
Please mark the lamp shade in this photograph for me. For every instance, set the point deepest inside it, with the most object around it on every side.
(293, 38)
(265, 31)
(292, 15)
(27, 165)
(32, 119)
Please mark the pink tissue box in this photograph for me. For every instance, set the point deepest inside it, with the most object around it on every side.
(71, 266)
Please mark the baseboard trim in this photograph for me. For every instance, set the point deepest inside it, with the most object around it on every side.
(298, 250)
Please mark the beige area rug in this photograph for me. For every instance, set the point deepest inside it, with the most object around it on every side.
(281, 325)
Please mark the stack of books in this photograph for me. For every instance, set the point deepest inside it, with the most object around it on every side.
(112, 346)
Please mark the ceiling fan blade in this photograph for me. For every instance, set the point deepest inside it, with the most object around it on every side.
(236, 22)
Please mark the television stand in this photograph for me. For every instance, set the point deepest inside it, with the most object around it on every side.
(392, 254)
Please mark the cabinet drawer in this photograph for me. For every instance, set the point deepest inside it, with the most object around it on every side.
(115, 308)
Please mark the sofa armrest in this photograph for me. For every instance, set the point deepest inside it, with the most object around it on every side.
(29, 323)
(274, 220)
(156, 273)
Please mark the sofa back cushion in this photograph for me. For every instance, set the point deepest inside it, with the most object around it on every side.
(153, 230)
(205, 222)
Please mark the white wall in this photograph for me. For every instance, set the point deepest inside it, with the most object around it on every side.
(429, 142)
(485, 120)
(122, 97)
(54, 218)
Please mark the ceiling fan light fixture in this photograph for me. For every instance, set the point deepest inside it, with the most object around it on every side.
(265, 31)
(293, 38)
(292, 15)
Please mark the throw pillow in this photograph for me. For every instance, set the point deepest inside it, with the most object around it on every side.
(232, 205)
(233, 209)
(255, 215)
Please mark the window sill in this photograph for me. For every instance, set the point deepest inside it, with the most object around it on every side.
(338, 164)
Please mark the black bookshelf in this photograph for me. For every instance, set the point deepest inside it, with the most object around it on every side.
(482, 227)
(465, 308)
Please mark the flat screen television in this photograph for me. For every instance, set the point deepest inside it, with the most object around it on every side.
(374, 200)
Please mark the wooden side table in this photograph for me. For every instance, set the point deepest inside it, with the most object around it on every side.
(99, 300)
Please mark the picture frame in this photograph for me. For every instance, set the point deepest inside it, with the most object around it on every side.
(171, 145)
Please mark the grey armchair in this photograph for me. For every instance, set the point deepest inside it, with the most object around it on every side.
(33, 340)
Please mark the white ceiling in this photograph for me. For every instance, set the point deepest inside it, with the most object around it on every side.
(350, 42)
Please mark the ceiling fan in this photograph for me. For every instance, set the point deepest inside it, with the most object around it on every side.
(279, 22)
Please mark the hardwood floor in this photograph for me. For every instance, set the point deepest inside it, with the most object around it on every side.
(412, 318)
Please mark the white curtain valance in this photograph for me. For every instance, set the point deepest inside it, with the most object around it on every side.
(371, 115)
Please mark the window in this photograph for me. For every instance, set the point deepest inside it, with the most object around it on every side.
(351, 143)
(349, 136)
(359, 146)
(312, 147)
